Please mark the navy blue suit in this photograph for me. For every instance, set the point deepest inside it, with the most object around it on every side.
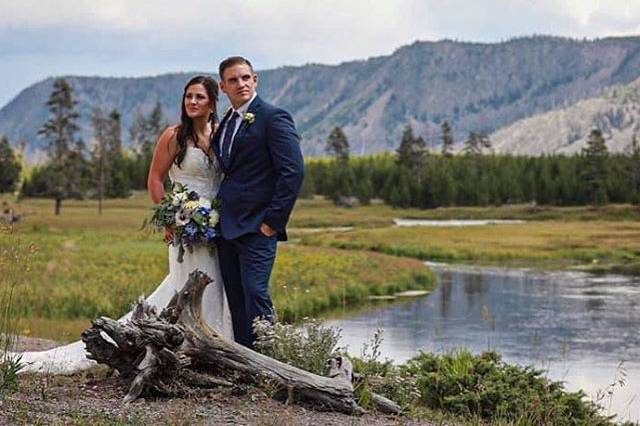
(261, 182)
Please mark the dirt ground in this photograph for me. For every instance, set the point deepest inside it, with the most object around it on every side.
(95, 397)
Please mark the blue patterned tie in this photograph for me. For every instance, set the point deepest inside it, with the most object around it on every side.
(228, 137)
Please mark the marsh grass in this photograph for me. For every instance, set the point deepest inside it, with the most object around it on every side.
(560, 244)
(90, 265)
(318, 212)
(308, 281)
(15, 268)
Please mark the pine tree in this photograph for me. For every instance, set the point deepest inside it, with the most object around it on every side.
(99, 153)
(338, 145)
(64, 150)
(144, 133)
(9, 167)
(118, 184)
(412, 151)
(341, 183)
(447, 139)
(398, 189)
(108, 161)
(634, 168)
(476, 143)
(138, 133)
(145, 130)
(595, 171)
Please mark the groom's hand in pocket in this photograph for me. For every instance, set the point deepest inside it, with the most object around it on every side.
(266, 230)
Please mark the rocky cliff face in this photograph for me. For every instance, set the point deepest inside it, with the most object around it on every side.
(479, 87)
(616, 113)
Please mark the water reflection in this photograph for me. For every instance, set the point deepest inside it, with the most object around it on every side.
(577, 326)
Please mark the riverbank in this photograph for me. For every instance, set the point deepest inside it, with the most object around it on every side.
(321, 213)
(449, 389)
(597, 246)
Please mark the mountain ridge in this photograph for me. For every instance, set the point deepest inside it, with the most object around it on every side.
(475, 86)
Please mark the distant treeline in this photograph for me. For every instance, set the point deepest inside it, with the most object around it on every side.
(416, 177)
(470, 181)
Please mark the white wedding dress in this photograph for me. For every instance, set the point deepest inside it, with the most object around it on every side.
(200, 176)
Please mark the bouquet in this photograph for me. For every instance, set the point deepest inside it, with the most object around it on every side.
(192, 219)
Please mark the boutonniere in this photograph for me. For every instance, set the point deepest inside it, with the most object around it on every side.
(249, 117)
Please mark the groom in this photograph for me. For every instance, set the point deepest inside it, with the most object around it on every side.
(258, 147)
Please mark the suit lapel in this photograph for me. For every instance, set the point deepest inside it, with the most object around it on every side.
(244, 126)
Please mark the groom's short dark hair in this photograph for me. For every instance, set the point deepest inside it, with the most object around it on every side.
(231, 61)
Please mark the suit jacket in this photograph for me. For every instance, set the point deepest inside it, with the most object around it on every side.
(264, 174)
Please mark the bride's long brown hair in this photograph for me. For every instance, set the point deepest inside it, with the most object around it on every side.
(186, 129)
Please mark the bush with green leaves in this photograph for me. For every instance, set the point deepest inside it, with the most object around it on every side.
(479, 388)
(308, 346)
(484, 387)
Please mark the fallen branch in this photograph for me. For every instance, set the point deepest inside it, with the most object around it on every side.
(167, 351)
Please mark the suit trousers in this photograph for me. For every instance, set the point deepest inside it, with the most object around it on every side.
(246, 263)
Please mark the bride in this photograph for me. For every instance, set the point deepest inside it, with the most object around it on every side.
(183, 153)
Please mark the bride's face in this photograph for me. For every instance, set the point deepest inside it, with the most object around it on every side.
(197, 102)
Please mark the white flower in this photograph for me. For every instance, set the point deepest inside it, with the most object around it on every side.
(249, 117)
(213, 217)
(182, 217)
(203, 202)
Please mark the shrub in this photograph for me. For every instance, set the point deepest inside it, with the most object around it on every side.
(308, 347)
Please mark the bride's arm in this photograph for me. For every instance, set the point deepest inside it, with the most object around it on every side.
(163, 156)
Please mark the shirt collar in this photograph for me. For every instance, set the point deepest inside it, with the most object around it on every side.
(245, 106)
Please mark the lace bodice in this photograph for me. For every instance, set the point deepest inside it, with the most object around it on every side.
(197, 173)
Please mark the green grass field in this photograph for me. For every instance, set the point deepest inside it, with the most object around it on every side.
(87, 265)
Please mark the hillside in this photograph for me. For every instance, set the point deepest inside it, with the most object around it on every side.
(481, 87)
(565, 130)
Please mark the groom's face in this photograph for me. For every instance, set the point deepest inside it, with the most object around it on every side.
(239, 82)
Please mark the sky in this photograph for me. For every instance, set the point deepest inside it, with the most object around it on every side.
(44, 38)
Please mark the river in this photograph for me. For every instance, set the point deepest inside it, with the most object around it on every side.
(580, 328)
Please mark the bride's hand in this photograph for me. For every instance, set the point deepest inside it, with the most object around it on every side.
(168, 235)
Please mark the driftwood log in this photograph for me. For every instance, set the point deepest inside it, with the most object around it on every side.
(176, 349)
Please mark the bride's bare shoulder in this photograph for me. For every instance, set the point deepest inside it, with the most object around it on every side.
(169, 137)
(171, 131)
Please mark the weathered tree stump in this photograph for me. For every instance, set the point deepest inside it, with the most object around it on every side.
(175, 349)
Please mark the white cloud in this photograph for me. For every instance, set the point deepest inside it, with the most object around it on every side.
(592, 18)
(124, 37)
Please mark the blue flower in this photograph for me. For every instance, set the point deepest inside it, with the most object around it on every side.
(191, 229)
(204, 210)
(211, 234)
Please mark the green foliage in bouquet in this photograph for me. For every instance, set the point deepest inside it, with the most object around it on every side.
(192, 219)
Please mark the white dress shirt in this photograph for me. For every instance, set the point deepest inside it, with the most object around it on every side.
(242, 109)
